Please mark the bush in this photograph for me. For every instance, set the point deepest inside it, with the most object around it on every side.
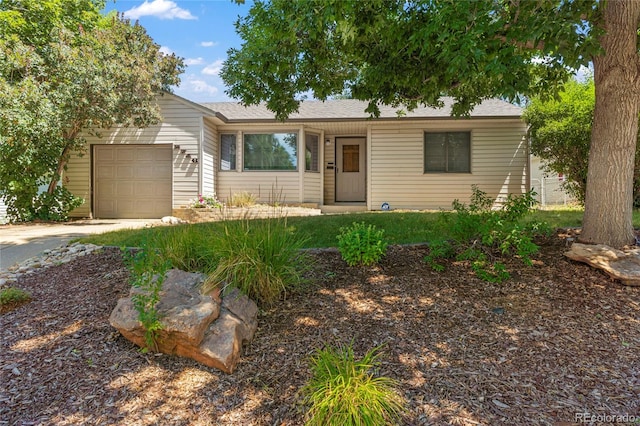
(480, 234)
(12, 297)
(360, 244)
(263, 258)
(344, 391)
(205, 202)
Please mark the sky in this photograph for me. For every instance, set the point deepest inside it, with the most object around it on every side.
(199, 31)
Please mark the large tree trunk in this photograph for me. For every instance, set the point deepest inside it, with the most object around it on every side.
(609, 196)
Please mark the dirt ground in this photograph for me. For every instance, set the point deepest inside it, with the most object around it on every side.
(557, 341)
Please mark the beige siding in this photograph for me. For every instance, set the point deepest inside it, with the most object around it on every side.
(209, 158)
(181, 125)
(3, 212)
(312, 187)
(498, 164)
(282, 187)
(329, 170)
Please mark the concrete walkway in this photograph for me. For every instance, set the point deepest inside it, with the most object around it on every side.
(21, 242)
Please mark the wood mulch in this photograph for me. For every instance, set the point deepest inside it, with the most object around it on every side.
(556, 340)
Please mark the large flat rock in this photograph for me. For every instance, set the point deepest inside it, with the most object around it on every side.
(618, 264)
(194, 325)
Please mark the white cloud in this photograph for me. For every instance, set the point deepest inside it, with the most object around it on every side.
(201, 86)
(209, 43)
(214, 68)
(194, 61)
(165, 50)
(161, 9)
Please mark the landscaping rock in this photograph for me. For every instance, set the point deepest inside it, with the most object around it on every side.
(195, 326)
(618, 264)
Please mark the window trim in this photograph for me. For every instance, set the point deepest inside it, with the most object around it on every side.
(272, 132)
(424, 152)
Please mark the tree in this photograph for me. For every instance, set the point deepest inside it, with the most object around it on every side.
(560, 131)
(65, 69)
(407, 53)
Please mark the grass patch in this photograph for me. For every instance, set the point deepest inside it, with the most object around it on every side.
(321, 231)
(11, 298)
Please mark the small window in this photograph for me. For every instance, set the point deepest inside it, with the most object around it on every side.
(271, 151)
(311, 153)
(447, 152)
(227, 152)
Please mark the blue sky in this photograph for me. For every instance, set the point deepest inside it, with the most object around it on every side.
(200, 31)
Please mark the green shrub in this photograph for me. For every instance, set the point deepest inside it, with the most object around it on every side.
(263, 258)
(187, 247)
(361, 244)
(147, 269)
(344, 391)
(479, 234)
(12, 297)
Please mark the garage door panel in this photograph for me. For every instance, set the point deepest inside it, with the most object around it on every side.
(133, 181)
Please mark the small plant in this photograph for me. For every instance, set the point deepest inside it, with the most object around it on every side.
(263, 258)
(205, 201)
(12, 297)
(242, 199)
(361, 244)
(148, 271)
(345, 391)
(480, 234)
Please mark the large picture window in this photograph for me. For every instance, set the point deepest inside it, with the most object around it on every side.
(270, 151)
(227, 152)
(311, 154)
(447, 152)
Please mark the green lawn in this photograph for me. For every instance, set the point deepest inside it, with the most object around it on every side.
(321, 231)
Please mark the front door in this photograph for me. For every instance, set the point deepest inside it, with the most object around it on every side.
(350, 169)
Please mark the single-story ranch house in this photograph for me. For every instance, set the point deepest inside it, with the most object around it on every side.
(329, 154)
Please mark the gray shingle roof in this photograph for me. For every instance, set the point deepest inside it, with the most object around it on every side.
(351, 109)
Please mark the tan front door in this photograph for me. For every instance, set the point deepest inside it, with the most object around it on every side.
(350, 169)
(132, 181)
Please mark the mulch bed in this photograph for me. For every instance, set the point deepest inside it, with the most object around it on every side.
(556, 340)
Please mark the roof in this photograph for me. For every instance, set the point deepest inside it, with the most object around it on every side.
(351, 109)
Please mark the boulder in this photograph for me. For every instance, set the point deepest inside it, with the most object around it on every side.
(618, 264)
(197, 326)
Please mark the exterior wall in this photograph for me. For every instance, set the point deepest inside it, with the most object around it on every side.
(312, 187)
(3, 212)
(499, 163)
(181, 125)
(209, 157)
(329, 170)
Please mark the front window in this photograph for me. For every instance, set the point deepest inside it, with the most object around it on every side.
(311, 154)
(271, 151)
(447, 152)
(227, 152)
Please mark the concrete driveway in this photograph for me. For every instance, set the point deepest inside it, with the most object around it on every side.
(21, 242)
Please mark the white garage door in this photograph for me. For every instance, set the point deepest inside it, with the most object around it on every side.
(132, 181)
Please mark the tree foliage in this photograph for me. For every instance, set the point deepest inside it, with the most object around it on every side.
(66, 69)
(560, 131)
(410, 53)
(403, 53)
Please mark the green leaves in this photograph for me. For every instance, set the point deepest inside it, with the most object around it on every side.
(406, 54)
(361, 244)
(64, 69)
(343, 390)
